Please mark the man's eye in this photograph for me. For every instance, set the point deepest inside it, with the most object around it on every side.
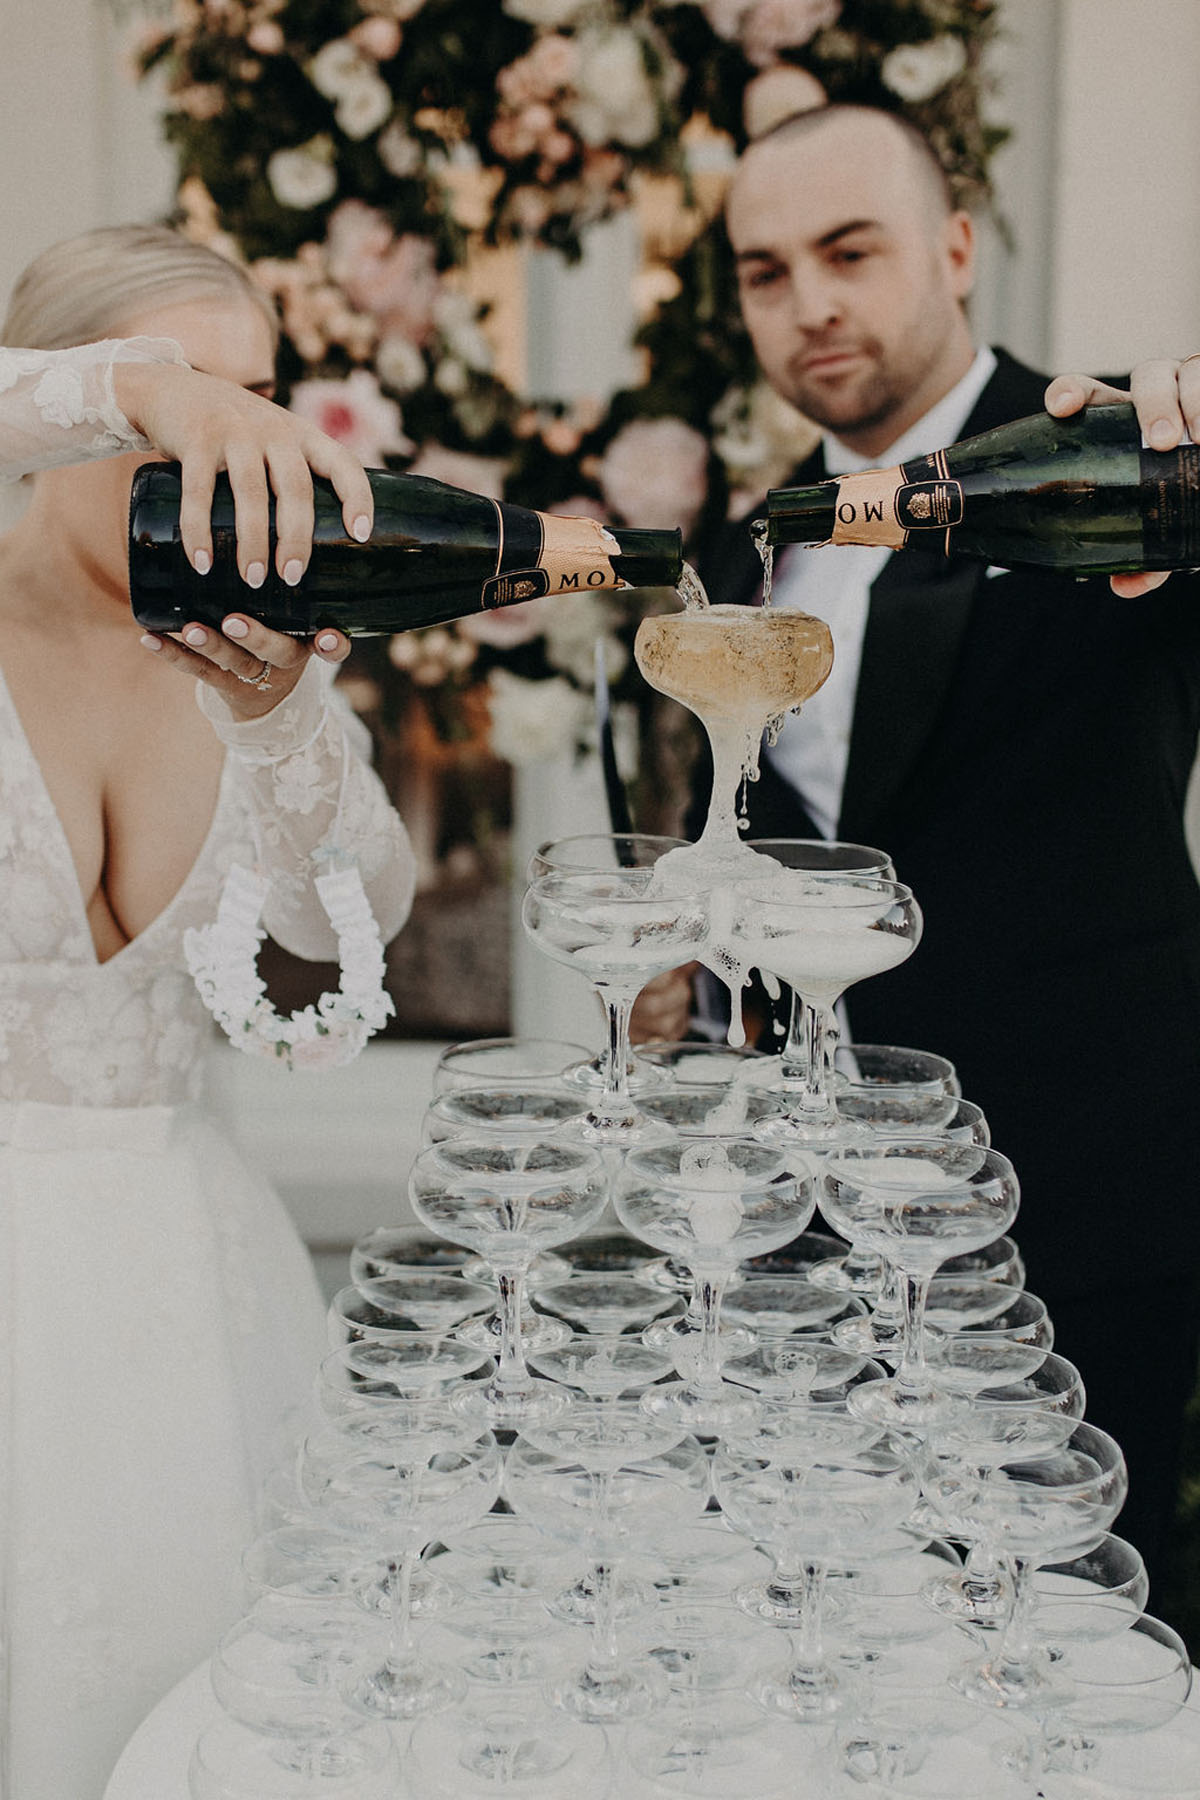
(845, 257)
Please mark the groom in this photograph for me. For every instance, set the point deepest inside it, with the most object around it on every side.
(1020, 744)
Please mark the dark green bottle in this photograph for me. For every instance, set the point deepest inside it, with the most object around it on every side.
(436, 553)
(1078, 494)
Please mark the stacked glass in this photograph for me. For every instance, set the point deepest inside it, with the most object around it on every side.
(553, 1545)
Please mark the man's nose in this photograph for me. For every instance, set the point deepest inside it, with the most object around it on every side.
(816, 304)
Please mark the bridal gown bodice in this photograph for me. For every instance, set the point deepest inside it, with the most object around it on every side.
(159, 1319)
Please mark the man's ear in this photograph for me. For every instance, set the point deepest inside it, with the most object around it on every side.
(959, 245)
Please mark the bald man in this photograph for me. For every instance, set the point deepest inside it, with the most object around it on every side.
(1020, 744)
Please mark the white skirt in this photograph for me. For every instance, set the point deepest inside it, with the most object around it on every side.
(159, 1318)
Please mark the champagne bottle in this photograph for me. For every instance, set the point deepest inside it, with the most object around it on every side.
(1079, 494)
(436, 553)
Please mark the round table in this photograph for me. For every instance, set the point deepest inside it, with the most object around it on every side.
(153, 1765)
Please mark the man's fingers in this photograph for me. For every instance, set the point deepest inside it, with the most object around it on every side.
(1071, 393)
(1131, 586)
(1154, 385)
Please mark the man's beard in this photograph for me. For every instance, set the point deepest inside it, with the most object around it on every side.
(868, 402)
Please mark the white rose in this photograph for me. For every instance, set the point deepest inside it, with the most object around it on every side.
(532, 721)
(400, 154)
(616, 98)
(572, 627)
(916, 72)
(552, 14)
(457, 318)
(400, 364)
(364, 105)
(305, 176)
(336, 67)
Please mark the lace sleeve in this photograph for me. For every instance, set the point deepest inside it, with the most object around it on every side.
(58, 406)
(310, 795)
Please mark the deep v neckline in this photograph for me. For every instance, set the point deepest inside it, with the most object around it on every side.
(161, 919)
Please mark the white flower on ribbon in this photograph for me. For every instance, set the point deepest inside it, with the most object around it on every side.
(59, 397)
(306, 176)
(533, 721)
(915, 72)
(364, 106)
(616, 97)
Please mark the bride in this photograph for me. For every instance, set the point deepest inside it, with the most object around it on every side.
(158, 1314)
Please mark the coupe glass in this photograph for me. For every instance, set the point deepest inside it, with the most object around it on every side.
(494, 1062)
(604, 1368)
(402, 1250)
(809, 1508)
(408, 1301)
(710, 1201)
(502, 1571)
(916, 1201)
(388, 1392)
(619, 929)
(606, 1304)
(515, 1107)
(821, 937)
(610, 1480)
(494, 1744)
(233, 1762)
(506, 1201)
(397, 1502)
(1039, 1507)
(819, 859)
(1134, 1678)
(784, 1306)
(1103, 1590)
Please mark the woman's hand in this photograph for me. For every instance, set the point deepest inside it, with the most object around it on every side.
(207, 424)
(252, 669)
(1166, 396)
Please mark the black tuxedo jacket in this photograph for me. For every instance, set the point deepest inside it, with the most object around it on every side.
(1021, 746)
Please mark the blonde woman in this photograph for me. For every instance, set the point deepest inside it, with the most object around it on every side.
(158, 1315)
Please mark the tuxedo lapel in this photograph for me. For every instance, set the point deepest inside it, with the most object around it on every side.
(919, 612)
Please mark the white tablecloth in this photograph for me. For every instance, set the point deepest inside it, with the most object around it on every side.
(155, 1761)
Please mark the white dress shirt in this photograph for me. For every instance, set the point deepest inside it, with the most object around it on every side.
(834, 583)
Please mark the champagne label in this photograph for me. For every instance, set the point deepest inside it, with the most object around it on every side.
(572, 555)
(1170, 484)
(881, 507)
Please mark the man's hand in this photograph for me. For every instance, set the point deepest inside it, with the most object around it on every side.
(1166, 395)
(663, 1009)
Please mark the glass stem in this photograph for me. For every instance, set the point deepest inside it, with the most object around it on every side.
(710, 1290)
(604, 1634)
(814, 1100)
(512, 1371)
(912, 1372)
(401, 1647)
(807, 1648)
(887, 1313)
(793, 1064)
(1017, 1647)
(614, 1105)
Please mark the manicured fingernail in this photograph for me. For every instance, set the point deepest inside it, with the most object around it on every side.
(202, 562)
(256, 574)
(327, 640)
(150, 643)
(195, 636)
(361, 528)
(235, 628)
(292, 571)
(1163, 434)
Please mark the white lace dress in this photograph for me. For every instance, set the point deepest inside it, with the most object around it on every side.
(158, 1314)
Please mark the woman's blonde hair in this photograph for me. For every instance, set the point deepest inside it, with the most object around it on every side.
(91, 286)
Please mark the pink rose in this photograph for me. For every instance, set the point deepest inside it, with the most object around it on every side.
(395, 279)
(376, 37)
(775, 25)
(505, 626)
(654, 473)
(356, 413)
